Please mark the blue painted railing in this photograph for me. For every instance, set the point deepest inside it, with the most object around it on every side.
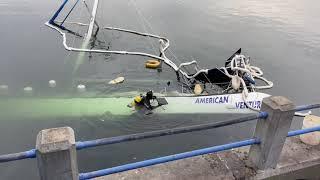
(18, 156)
(164, 159)
(307, 107)
(189, 154)
(105, 141)
(113, 140)
(166, 132)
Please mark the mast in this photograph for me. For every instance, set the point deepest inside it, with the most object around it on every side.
(92, 22)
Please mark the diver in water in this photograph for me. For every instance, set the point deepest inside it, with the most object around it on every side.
(142, 103)
(142, 100)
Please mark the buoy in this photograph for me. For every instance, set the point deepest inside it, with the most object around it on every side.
(117, 80)
(197, 89)
(52, 83)
(81, 88)
(152, 64)
(4, 89)
(314, 137)
(28, 90)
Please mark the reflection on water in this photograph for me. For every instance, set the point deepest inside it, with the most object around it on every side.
(281, 37)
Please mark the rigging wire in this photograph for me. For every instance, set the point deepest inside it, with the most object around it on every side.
(139, 11)
(69, 12)
(140, 20)
(103, 34)
(79, 17)
(148, 24)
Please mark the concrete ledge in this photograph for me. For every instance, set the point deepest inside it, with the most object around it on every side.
(297, 161)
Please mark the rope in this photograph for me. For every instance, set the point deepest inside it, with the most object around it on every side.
(240, 64)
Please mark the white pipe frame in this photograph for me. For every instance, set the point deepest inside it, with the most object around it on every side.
(253, 71)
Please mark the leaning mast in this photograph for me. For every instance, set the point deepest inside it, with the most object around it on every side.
(92, 22)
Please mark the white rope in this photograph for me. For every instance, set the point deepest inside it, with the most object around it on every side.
(240, 64)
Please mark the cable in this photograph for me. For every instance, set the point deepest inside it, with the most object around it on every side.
(140, 20)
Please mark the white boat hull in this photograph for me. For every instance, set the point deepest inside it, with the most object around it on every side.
(41, 108)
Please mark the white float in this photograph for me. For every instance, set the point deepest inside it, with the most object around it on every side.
(81, 88)
(28, 90)
(52, 83)
(4, 89)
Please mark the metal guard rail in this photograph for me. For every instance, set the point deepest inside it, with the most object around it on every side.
(174, 157)
(307, 107)
(87, 144)
(166, 132)
(132, 137)
(32, 154)
(18, 156)
(164, 159)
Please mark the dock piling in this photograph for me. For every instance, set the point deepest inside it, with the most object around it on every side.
(271, 132)
(56, 154)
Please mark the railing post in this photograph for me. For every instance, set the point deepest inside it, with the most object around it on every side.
(56, 154)
(272, 132)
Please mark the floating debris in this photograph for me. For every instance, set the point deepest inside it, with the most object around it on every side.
(117, 80)
(197, 89)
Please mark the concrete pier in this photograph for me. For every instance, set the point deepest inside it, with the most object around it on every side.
(297, 161)
(56, 154)
(272, 131)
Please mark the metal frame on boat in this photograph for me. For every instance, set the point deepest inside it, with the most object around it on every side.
(237, 76)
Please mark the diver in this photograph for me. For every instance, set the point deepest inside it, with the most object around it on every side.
(145, 101)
